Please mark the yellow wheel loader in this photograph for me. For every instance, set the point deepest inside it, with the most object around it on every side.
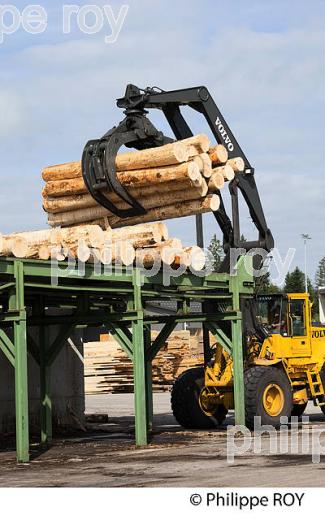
(283, 352)
(284, 369)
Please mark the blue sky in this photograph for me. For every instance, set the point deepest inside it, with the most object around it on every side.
(262, 61)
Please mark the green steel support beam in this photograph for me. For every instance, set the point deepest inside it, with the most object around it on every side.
(93, 318)
(7, 347)
(220, 336)
(148, 368)
(45, 379)
(139, 366)
(207, 351)
(123, 337)
(236, 283)
(6, 286)
(160, 340)
(54, 349)
(239, 390)
(21, 375)
(99, 292)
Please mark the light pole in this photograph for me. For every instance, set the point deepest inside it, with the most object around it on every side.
(306, 237)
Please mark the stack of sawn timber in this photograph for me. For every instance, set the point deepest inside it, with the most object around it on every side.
(143, 245)
(108, 369)
(175, 180)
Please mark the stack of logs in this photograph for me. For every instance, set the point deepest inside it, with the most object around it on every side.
(175, 180)
(108, 369)
(145, 245)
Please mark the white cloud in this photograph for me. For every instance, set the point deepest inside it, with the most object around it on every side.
(269, 85)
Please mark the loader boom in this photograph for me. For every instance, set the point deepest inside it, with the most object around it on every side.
(136, 131)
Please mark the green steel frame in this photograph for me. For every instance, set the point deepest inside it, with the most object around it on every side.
(116, 300)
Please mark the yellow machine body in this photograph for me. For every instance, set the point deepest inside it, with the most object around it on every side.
(292, 344)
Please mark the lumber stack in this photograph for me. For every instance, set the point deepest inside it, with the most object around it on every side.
(108, 369)
(175, 180)
(144, 245)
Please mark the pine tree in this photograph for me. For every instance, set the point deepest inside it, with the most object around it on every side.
(294, 282)
(217, 252)
(263, 284)
(320, 274)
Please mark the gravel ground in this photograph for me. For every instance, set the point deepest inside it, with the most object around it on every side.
(106, 455)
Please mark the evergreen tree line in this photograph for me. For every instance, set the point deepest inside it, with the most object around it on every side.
(294, 280)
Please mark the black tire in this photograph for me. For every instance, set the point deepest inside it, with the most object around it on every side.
(257, 379)
(298, 409)
(185, 401)
(221, 414)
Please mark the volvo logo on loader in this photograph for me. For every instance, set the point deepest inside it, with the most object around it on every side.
(318, 334)
(224, 135)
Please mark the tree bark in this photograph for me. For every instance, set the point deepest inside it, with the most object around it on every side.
(93, 236)
(141, 235)
(180, 209)
(174, 153)
(5, 245)
(135, 178)
(96, 212)
(73, 202)
(200, 142)
(58, 172)
(168, 154)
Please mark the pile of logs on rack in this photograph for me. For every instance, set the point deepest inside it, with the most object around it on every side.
(144, 245)
(109, 370)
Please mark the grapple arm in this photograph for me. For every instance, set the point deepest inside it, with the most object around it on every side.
(136, 131)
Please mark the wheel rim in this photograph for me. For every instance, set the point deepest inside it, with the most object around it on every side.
(273, 399)
(206, 406)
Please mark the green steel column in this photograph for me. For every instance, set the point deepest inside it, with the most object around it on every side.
(148, 368)
(21, 374)
(237, 354)
(139, 366)
(45, 375)
(206, 337)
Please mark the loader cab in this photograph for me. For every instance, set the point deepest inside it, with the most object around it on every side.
(286, 318)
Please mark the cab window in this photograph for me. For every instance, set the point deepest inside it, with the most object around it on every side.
(297, 312)
(272, 314)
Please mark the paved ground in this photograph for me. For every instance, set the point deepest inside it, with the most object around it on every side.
(107, 456)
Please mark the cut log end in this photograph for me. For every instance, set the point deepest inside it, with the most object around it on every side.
(44, 252)
(196, 257)
(226, 171)
(83, 252)
(218, 154)
(216, 182)
(19, 247)
(237, 164)
(214, 202)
